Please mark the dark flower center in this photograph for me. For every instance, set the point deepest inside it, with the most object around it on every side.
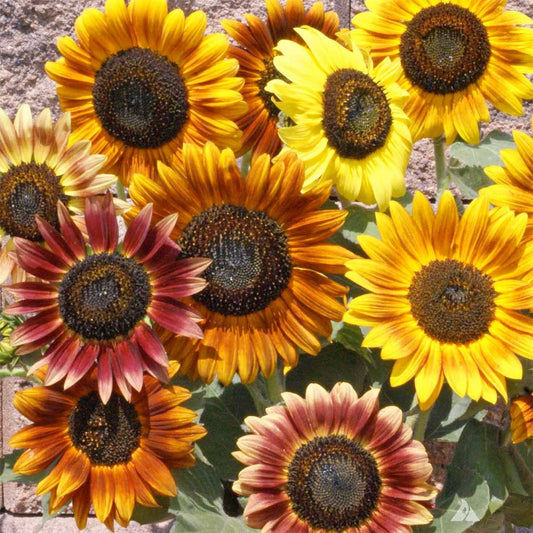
(104, 296)
(269, 73)
(140, 98)
(333, 483)
(452, 301)
(357, 116)
(108, 434)
(27, 190)
(251, 262)
(444, 49)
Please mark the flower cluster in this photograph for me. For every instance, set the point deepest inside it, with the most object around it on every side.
(229, 270)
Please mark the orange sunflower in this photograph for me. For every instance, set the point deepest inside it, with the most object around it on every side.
(255, 52)
(514, 181)
(447, 296)
(36, 170)
(333, 462)
(94, 303)
(142, 81)
(267, 293)
(110, 456)
(522, 418)
(455, 55)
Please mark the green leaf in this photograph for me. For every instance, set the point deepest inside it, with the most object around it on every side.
(518, 509)
(469, 180)
(224, 411)
(334, 363)
(199, 504)
(151, 515)
(486, 153)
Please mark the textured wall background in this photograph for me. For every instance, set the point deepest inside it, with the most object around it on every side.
(28, 33)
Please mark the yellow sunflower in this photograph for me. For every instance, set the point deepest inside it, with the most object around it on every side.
(255, 52)
(522, 418)
(349, 124)
(455, 54)
(267, 293)
(142, 81)
(333, 462)
(110, 456)
(514, 181)
(446, 295)
(36, 170)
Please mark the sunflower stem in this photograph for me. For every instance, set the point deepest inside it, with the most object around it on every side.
(275, 385)
(121, 191)
(260, 402)
(420, 425)
(441, 165)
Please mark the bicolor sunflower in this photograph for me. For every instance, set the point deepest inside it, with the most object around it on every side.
(142, 81)
(349, 124)
(96, 298)
(514, 181)
(110, 455)
(333, 462)
(455, 55)
(446, 295)
(36, 170)
(255, 51)
(267, 294)
(521, 411)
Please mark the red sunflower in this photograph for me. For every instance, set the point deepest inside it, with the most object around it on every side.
(94, 303)
(333, 462)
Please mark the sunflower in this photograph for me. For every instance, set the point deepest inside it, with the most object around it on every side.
(333, 462)
(514, 181)
(522, 418)
(349, 123)
(142, 81)
(446, 295)
(255, 52)
(454, 55)
(93, 305)
(110, 455)
(267, 294)
(36, 170)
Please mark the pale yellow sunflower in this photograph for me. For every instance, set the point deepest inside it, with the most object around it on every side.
(446, 296)
(349, 124)
(455, 55)
(37, 168)
(142, 81)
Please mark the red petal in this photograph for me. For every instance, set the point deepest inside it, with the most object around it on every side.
(33, 290)
(29, 306)
(39, 261)
(156, 237)
(55, 241)
(62, 361)
(96, 224)
(159, 372)
(118, 374)
(150, 344)
(137, 231)
(191, 266)
(85, 360)
(179, 287)
(105, 375)
(110, 220)
(36, 328)
(176, 317)
(131, 363)
(71, 232)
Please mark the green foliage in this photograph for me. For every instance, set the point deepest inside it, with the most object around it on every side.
(467, 162)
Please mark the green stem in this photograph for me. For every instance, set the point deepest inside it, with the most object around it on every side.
(275, 385)
(420, 425)
(259, 400)
(441, 166)
(121, 191)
